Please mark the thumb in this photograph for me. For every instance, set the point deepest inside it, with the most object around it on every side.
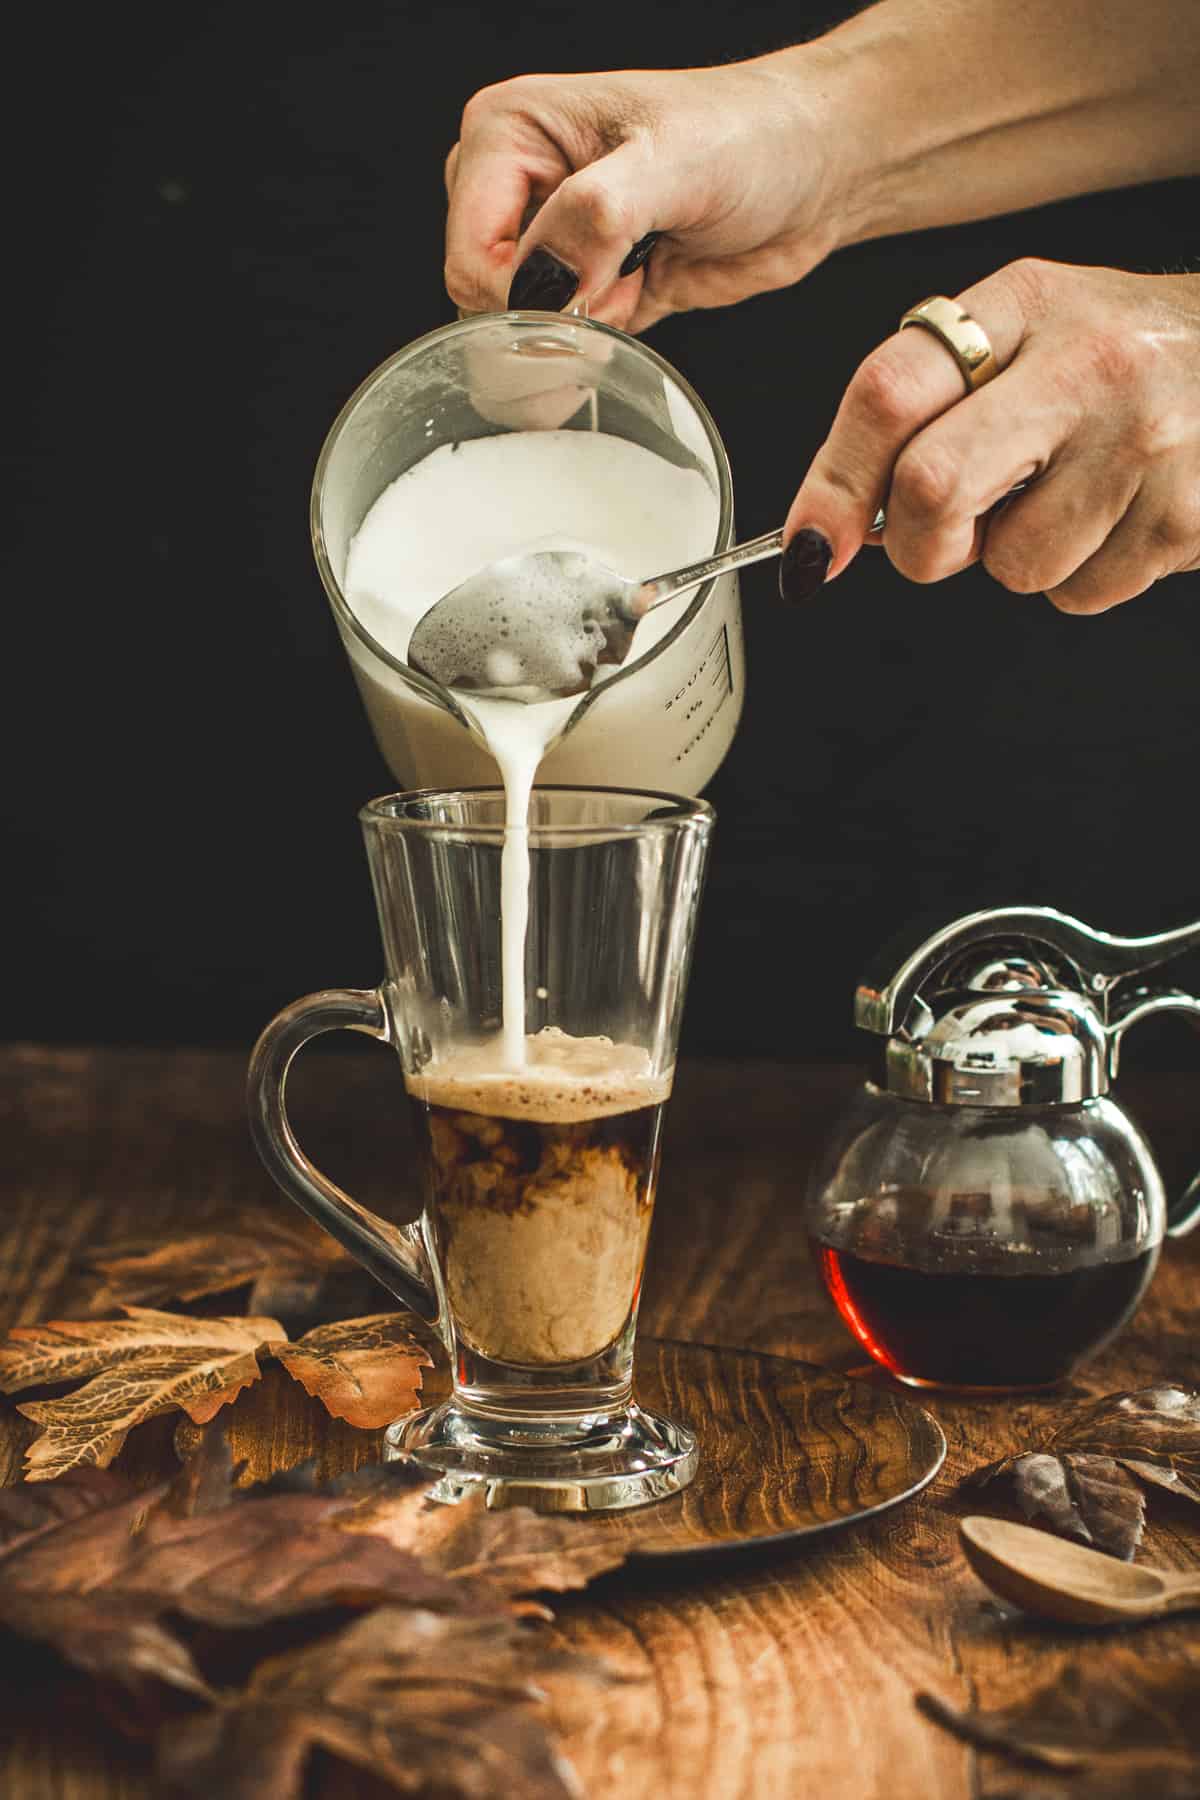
(598, 227)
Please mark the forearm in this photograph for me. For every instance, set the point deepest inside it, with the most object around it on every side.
(946, 110)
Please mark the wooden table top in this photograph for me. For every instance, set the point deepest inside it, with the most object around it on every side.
(788, 1672)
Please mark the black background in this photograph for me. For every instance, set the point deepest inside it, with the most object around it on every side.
(220, 220)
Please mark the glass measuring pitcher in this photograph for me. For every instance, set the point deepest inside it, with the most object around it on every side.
(538, 1181)
(664, 719)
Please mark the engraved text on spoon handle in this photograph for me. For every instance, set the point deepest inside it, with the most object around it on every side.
(680, 580)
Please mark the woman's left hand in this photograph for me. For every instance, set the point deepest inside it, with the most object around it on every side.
(1097, 408)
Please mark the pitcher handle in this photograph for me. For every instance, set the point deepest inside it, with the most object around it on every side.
(392, 1253)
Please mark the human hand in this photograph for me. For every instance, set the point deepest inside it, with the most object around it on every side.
(557, 182)
(1097, 408)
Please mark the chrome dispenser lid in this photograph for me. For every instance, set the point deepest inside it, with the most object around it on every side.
(1017, 1006)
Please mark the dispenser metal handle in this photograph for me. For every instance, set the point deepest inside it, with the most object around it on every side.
(882, 1000)
(1183, 1213)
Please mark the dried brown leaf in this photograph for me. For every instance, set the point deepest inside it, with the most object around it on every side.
(1168, 1479)
(1141, 1776)
(1092, 1499)
(1128, 1727)
(60, 1586)
(281, 1251)
(432, 1689)
(1157, 1426)
(204, 1483)
(1083, 1482)
(508, 1552)
(147, 1363)
(275, 1558)
(101, 1584)
(366, 1371)
(27, 1509)
(414, 1698)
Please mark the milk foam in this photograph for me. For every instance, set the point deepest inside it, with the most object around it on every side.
(564, 1081)
(468, 504)
(541, 637)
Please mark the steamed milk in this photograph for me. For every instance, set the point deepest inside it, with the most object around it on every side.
(468, 504)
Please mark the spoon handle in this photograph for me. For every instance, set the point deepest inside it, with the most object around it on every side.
(668, 587)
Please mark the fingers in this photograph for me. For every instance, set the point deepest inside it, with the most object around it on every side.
(1094, 408)
(1157, 536)
(489, 192)
(908, 382)
(582, 233)
(1019, 429)
(1045, 535)
(953, 473)
(502, 167)
(596, 229)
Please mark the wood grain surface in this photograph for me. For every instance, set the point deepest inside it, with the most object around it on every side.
(786, 1671)
(787, 1449)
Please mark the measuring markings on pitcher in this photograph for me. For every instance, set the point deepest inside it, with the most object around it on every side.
(705, 691)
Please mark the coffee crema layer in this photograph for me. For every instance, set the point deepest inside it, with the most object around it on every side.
(541, 1187)
(563, 1080)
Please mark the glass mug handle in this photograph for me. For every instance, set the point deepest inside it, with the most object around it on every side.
(392, 1253)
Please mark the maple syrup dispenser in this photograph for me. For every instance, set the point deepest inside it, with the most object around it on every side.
(986, 1214)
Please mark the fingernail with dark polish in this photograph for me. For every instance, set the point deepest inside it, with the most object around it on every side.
(804, 564)
(639, 253)
(541, 284)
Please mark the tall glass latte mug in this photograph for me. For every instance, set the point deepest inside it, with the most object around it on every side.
(539, 1179)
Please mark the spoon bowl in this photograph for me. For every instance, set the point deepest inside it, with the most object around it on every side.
(1061, 1580)
(537, 626)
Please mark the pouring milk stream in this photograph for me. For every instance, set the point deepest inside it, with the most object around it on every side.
(468, 503)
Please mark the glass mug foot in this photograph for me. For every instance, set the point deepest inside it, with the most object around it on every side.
(600, 1463)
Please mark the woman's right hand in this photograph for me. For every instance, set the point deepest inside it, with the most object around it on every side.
(557, 181)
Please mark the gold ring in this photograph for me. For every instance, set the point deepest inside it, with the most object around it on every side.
(963, 336)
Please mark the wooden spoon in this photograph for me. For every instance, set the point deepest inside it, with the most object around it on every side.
(1060, 1580)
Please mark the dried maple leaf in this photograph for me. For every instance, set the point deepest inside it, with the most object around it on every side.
(366, 1371)
(1128, 1727)
(147, 1363)
(1086, 1481)
(414, 1698)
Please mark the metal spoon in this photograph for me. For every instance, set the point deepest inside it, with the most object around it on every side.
(1061, 1580)
(537, 626)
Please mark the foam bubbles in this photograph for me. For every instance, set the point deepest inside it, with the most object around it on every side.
(542, 623)
(565, 1080)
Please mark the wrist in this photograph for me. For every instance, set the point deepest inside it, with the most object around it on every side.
(831, 92)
